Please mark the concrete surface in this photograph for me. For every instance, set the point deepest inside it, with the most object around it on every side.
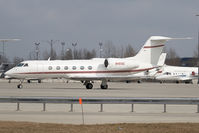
(59, 113)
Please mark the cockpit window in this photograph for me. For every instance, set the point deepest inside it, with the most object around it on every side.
(26, 65)
(20, 64)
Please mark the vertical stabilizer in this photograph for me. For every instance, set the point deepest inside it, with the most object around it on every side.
(152, 49)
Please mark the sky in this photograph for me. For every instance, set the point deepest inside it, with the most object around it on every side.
(89, 22)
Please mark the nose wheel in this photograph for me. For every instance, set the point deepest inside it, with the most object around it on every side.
(19, 86)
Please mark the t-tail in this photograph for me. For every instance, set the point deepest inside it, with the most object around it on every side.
(152, 49)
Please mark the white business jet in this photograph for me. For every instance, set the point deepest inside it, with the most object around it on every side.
(103, 69)
(169, 73)
(177, 74)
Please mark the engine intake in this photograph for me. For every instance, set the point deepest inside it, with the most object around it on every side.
(119, 64)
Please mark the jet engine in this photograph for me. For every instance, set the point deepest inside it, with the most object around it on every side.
(119, 64)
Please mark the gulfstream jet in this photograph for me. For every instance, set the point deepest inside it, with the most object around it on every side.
(103, 69)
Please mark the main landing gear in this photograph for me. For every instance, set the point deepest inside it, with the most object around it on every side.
(89, 84)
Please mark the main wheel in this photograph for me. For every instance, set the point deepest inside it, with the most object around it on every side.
(19, 86)
(89, 86)
(39, 81)
(104, 86)
(28, 81)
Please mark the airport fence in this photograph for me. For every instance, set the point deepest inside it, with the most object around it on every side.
(101, 101)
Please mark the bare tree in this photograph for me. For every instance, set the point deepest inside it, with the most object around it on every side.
(68, 54)
(89, 54)
(79, 54)
(195, 57)
(120, 52)
(129, 51)
(172, 58)
(195, 52)
(17, 60)
(46, 55)
(31, 55)
(109, 49)
(3, 59)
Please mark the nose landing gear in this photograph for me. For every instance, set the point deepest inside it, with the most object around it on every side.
(20, 86)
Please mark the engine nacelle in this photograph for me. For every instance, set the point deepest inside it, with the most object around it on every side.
(119, 64)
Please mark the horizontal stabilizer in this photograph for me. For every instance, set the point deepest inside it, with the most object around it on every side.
(161, 38)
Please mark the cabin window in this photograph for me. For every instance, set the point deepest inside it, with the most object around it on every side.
(74, 67)
(50, 68)
(82, 67)
(90, 67)
(66, 68)
(58, 67)
(20, 64)
(26, 65)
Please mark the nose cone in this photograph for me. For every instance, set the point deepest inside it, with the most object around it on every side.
(8, 73)
(11, 73)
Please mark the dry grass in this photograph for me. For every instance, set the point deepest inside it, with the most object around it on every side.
(27, 127)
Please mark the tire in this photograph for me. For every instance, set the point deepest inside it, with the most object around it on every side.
(20, 86)
(104, 86)
(89, 86)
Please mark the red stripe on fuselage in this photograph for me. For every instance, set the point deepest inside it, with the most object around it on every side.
(154, 46)
(85, 72)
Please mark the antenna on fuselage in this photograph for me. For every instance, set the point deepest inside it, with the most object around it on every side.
(49, 59)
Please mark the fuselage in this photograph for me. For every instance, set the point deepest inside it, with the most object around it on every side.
(75, 69)
(177, 73)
